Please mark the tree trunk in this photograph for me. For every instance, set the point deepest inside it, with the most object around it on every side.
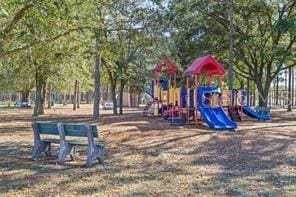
(263, 98)
(69, 98)
(39, 101)
(293, 84)
(43, 96)
(130, 97)
(113, 92)
(231, 30)
(82, 96)
(29, 98)
(75, 95)
(139, 99)
(248, 91)
(290, 90)
(78, 94)
(121, 88)
(274, 93)
(37, 98)
(87, 97)
(64, 99)
(263, 92)
(97, 95)
(277, 91)
(49, 96)
(25, 95)
(121, 101)
(106, 93)
(286, 80)
(9, 102)
(254, 95)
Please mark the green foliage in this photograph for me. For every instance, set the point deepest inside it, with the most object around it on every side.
(264, 42)
(58, 39)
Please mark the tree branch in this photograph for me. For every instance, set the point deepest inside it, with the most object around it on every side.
(279, 68)
(17, 17)
(39, 41)
(243, 75)
(65, 33)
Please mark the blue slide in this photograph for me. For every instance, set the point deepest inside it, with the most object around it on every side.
(253, 114)
(216, 118)
(221, 115)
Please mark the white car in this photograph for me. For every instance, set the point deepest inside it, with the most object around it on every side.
(108, 105)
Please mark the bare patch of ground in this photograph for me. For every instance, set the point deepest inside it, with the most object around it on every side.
(147, 156)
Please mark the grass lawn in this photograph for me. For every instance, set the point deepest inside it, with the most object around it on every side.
(147, 156)
(3, 104)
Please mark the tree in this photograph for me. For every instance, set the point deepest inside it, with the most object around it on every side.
(97, 95)
(63, 16)
(127, 45)
(12, 74)
(263, 36)
(9, 25)
(78, 94)
(290, 100)
(49, 99)
(45, 65)
(265, 42)
(33, 30)
(230, 73)
(75, 95)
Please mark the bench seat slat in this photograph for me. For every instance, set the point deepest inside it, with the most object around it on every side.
(51, 140)
(83, 143)
(74, 142)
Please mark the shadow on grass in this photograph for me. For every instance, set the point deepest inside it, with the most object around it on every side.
(18, 171)
(237, 157)
(240, 159)
(271, 127)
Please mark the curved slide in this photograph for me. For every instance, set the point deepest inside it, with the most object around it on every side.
(217, 119)
(253, 114)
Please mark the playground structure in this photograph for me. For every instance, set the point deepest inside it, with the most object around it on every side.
(163, 91)
(202, 98)
(207, 99)
(238, 107)
(169, 100)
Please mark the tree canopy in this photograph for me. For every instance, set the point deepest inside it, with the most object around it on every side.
(104, 43)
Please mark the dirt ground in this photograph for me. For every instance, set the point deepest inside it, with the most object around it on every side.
(147, 156)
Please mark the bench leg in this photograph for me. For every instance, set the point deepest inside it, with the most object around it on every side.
(94, 153)
(90, 156)
(73, 153)
(48, 150)
(38, 149)
(64, 152)
(100, 154)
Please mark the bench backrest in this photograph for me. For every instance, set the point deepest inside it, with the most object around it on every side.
(75, 130)
(79, 130)
(49, 128)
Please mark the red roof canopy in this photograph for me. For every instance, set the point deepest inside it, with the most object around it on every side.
(166, 64)
(207, 65)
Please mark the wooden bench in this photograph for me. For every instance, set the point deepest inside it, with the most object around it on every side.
(95, 150)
